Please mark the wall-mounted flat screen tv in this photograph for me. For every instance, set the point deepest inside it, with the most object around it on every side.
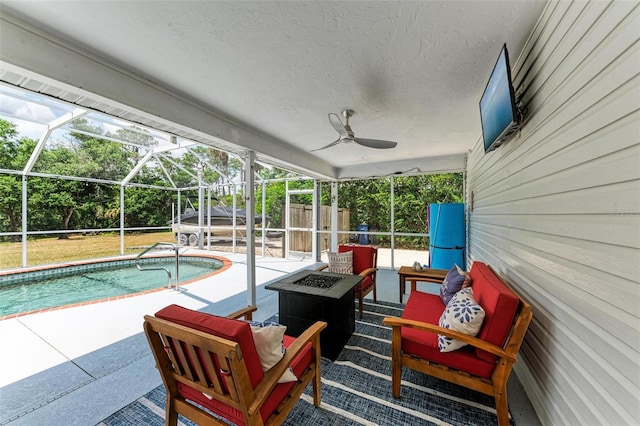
(498, 110)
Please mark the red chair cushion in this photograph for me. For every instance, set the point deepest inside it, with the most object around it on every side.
(427, 308)
(499, 303)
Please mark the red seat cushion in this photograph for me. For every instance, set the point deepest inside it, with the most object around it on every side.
(427, 308)
(499, 303)
(239, 332)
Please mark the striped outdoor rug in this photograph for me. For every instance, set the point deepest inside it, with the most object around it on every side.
(356, 389)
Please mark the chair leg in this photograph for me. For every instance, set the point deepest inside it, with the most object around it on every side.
(171, 413)
(502, 407)
(317, 379)
(316, 387)
(396, 362)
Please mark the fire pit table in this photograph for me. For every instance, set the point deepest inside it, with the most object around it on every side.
(309, 296)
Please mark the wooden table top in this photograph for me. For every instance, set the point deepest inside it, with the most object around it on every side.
(427, 273)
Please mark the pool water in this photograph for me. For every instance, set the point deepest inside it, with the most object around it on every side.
(116, 279)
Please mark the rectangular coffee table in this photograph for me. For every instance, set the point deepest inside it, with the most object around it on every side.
(309, 296)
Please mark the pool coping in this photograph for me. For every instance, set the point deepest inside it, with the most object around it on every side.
(226, 264)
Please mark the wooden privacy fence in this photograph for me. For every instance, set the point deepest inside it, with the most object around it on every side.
(301, 216)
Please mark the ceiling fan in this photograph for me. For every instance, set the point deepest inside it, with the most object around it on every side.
(347, 135)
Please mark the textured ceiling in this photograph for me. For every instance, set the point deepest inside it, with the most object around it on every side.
(413, 71)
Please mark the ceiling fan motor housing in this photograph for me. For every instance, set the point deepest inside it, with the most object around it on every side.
(346, 113)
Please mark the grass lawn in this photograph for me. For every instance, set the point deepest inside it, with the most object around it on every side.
(77, 247)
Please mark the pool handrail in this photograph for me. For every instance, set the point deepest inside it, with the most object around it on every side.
(158, 268)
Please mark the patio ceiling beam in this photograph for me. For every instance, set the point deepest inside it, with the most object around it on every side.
(431, 165)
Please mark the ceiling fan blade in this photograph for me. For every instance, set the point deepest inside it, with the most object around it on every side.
(328, 146)
(375, 143)
(337, 124)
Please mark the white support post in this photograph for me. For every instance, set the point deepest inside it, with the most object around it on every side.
(287, 221)
(393, 221)
(334, 216)
(209, 218)
(179, 233)
(249, 195)
(264, 218)
(121, 220)
(233, 219)
(201, 209)
(316, 246)
(24, 221)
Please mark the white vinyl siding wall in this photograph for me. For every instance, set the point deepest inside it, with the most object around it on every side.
(556, 212)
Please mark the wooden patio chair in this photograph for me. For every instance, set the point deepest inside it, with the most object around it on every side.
(212, 361)
(365, 264)
(462, 366)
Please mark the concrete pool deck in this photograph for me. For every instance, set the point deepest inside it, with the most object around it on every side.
(77, 366)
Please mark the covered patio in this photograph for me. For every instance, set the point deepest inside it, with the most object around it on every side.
(554, 210)
(72, 358)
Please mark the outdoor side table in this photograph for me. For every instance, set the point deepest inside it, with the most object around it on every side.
(406, 273)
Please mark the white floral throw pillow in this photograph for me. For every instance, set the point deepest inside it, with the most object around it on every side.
(462, 314)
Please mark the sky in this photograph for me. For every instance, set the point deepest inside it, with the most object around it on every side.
(33, 114)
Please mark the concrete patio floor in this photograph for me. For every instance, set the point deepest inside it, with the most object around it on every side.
(77, 366)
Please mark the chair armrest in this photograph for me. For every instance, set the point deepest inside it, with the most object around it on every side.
(247, 313)
(322, 268)
(470, 340)
(271, 377)
(368, 271)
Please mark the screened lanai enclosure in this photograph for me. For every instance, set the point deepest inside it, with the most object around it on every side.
(70, 173)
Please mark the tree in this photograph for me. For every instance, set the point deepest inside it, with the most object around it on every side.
(14, 154)
(368, 202)
(87, 152)
(147, 206)
(275, 197)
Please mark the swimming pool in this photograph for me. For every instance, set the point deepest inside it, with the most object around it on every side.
(70, 284)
